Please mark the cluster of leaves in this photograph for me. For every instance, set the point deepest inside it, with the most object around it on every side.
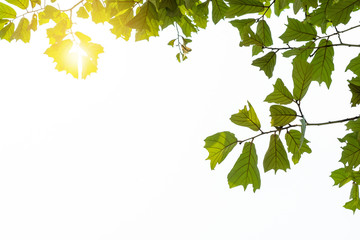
(312, 51)
(306, 41)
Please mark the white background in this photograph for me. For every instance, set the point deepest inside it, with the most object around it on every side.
(120, 155)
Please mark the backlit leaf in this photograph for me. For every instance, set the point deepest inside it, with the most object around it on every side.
(219, 146)
(298, 31)
(22, 31)
(293, 142)
(341, 176)
(98, 13)
(323, 62)
(243, 25)
(34, 23)
(355, 91)
(280, 115)
(7, 32)
(82, 13)
(219, 9)
(245, 170)
(302, 76)
(6, 11)
(351, 152)
(302, 52)
(280, 95)
(34, 2)
(247, 118)
(354, 65)
(354, 204)
(340, 11)
(276, 157)
(23, 4)
(263, 31)
(120, 29)
(241, 7)
(266, 63)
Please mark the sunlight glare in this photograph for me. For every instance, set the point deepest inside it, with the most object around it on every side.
(80, 53)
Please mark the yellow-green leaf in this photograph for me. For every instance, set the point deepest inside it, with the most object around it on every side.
(219, 146)
(323, 62)
(298, 31)
(302, 76)
(245, 170)
(82, 13)
(280, 115)
(22, 31)
(293, 141)
(280, 95)
(247, 118)
(98, 13)
(23, 4)
(241, 7)
(276, 157)
(7, 32)
(6, 11)
(266, 63)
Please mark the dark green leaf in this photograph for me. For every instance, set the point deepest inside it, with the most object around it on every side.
(219, 146)
(247, 118)
(276, 157)
(266, 63)
(355, 91)
(263, 31)
(351, 152)
(245, 170)
(354, 65)
(280, 115)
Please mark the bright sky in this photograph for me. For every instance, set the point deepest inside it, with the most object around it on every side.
(120, 155)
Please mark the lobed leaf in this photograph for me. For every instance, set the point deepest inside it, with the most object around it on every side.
(219, 146)
(276, 157)
(323, 62)
(245, 170)
(354, 65)
(22, 31)
(355, 91)
(295, 146)
(340, 11)
(302, 76)
(280, 115)
(350, 156)
(341, 176)
(302, 52)
(298, 31)
(247, 118)
(280, 95)
(266, 63)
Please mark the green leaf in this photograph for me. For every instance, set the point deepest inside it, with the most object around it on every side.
(187, 26)
(263, 31)
(280, 5)
(245, 170)
(355, 91)
(280, 115)
(353, 125)
(293, 142)
(298, 31)
(318, 16)
(98, 13)
(247, 118)
(7, 32)
(219, 9)
(302, 52)
(243, 25)
(276, 157)
(22, 31)
(354, 65)
(143, 18)
(280, 95)
(6, 11)
(323, 62)
(172, 42)
(250, 38)
(119, 23)
(302, 76)
(82, 13)
(242, 7)
(351, 152)
(354, 195)
(266, 63)
(341, 176)
(340, 11)
(297, 6)
(23, 4)
(219, 146)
